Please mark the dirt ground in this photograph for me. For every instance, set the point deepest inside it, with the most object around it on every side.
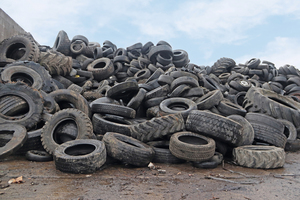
(180, 181)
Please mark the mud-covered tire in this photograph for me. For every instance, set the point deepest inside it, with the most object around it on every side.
(215, 126)
(257, 156)
(158, 127)
(80, 156)
(19, 47)
(192, 146)
(34, 73)
(50, 140)
(272, 104)
(33, 99)
(12, 105)
(163, 154)
(56, 63)
(77, 100)
(16, 142)
(128, 149)
(38, 156)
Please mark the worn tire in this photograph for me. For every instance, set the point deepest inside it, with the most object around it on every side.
(16, 142)
(19, 47)
(76, 99)
(272, 104)
(215, 126)
(267, 129)
(33, 99)
(84, 125)
(163, 154)
(38, 156)
(156, 128)
(113, 109)
(128, 149)
(192, 146)
(257, 156)
(80, 156)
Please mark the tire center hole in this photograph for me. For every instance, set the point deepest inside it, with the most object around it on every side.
(178, 106)
(65, 131)
(5, 136)
(80, 149)
(23, 78)
(192, 140)
(16, 51)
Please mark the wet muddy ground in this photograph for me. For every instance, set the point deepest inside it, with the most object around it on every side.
(181, 181)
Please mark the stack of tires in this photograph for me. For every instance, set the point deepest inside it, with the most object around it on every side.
(85, 105)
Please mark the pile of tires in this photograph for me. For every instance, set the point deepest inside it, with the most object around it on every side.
(85, 105)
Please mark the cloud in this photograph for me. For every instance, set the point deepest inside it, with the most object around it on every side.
(280, 51)
(227, 21)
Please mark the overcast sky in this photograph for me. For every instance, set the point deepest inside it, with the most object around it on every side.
(206, 29)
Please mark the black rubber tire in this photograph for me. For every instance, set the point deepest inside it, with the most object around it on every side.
(33, 142)
(36, 73)
(163, 154)
(56, 63)
(178, 105)
(155, 50)
(184, 80)
(122, 90)
(107, 108)
(180, 91)
(253, 63)
(248, 131)
(272, 104)
(156, 128)
(194, 92)
(82, 38)
(142, 74)
(192, 146)
(267, 129)
(239, 98)
(62, 43)
(177, 74)
(33, 99)
(82, 156)
(160, 91)
(213, 162)
(16, 142)
(75, 99)
(83, 123)
(215, 126)
(257, 156)
(128, 149)
(22, 74)
(165, 79)
(154, 101)
(103, 124)
(229, 108)
(209, 100)
(12, 105)
(13, 48)
(102, 68)
(289, 129)
(292, 145)
(63, 81)
(136, 101)
(222, 65)
(240, 85)
(38, 156)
